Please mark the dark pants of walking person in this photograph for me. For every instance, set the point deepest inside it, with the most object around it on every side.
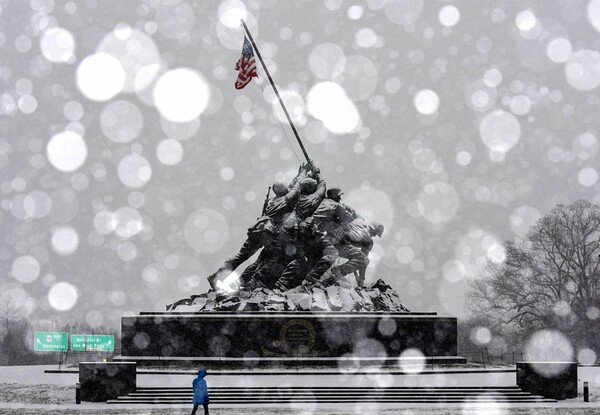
(195, 408)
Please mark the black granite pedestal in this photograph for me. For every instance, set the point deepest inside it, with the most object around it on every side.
(307, 335)
(555, 380)
(101, 381)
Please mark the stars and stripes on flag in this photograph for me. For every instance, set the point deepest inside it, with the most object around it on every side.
(246, 66)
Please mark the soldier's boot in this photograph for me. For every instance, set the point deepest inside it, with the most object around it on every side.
(360, 277)
(212, 281)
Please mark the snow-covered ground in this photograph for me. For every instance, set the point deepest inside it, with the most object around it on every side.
(28, 390)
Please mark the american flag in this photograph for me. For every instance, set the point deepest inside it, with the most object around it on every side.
(246, 66)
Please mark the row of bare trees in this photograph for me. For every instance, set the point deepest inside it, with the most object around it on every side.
(13, 326)
(549, 279)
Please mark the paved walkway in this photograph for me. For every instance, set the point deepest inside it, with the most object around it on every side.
(31, 375)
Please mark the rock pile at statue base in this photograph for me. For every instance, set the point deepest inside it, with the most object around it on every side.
(341, 296)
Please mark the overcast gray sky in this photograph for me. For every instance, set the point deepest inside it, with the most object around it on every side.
(130, 167)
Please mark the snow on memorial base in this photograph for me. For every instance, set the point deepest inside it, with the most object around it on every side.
(340, 325)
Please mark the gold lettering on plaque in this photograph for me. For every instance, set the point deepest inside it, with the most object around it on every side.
(297, 337)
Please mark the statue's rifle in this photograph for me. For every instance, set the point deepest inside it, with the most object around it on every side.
(266, 203)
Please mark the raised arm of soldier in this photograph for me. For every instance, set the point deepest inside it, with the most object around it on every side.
(302, 172)
(294, 186)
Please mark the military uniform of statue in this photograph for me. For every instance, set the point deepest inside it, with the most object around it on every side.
(269, 265)
(331, 213)
(272, 260)
(285, 198)
(334, 217)
(314, 255)
(260, 235)
(359, 235)
(312, 193)
(274, 209)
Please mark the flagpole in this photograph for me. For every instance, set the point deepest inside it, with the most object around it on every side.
(275, 89)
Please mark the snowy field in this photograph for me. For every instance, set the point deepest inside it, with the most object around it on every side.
(28, 390)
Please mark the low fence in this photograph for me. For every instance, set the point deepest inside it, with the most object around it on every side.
(491, 356)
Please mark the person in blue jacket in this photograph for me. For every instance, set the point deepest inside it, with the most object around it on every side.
(200, 392)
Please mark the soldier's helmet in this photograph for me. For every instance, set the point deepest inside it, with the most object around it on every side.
(377, 228)
(308, 186)
(280, 188)
(334, 193)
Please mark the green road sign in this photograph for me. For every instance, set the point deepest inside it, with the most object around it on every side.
(50, 341)
(92, 343)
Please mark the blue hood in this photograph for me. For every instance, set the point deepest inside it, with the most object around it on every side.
(201, 373)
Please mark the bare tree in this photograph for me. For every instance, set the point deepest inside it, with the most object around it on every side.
(13, 332)
(9, 314)
(550, 278)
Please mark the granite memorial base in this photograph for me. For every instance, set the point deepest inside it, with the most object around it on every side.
(251, 337)
(555, 380)
(100, 382)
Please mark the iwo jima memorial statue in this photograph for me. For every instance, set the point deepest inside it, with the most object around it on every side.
(304, 299)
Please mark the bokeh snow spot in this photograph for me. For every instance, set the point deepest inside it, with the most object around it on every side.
(169, 152)
(62, 296)
(483, 404)
(559, 50)
(371, 204)
(549, 346)
(231, 12)
(180, 130)
(175, 19)
(403, 12)
(100, 77)
(37, 204)
(582, 70)
(127, 251)
(463, 158)
(522, 218)
(449, 15)
(476, 248)
(500, 130)
(525, 20)
(227, 173)
(481, 336)
(58, 45)
(127, 222)
(328, 102)
(492, 77)
(438, 202)
(121, 121)
(64, 240)
(181, 95)
(454, 270)
(206, 231)
(561, 308)
(586, 357)
(25, 269)
(358, 78)
(73, 111)
(593, 13)
(585, 146)
(66, 151)
(412, 361)
(588, 176)
(137, 53)
(134, 170)
(520, 104)
(426, 101)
